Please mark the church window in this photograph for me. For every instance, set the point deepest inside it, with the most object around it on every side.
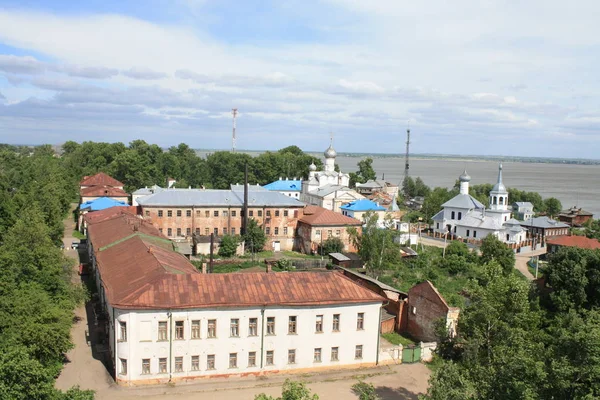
(501, 200)
(455, 229)
(459, 215)
(495, 200)
(452, 215)
(468, 232)
(437, 225)
(474, 234)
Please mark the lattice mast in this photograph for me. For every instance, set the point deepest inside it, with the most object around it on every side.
(234, 112)
(406, 157)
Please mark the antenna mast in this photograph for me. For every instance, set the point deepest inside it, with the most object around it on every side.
(234, 112)
(406, 157)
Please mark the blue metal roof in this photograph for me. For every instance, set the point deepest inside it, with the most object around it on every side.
(362, 205)
(285, 185)
(101, 203)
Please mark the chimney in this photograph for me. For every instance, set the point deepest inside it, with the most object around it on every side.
(269, 268)
(150, 249)
(204, 268)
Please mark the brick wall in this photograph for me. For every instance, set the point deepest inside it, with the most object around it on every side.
(425, 307)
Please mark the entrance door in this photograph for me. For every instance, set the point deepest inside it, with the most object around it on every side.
(277, 246)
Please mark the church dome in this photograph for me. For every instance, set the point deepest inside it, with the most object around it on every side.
(464, 177)
(330, 152)
(312, 167)
(499, 186)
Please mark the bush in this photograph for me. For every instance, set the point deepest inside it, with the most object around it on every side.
(228, 246)
(331, 245)
(365, 391)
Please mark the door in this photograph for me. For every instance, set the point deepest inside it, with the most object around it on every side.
(411, 354)
(276, 246)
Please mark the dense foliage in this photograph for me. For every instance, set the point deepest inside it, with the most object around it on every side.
(254, 237)
(291, 390)
(333, 244)
(37, 297)
(365, 172)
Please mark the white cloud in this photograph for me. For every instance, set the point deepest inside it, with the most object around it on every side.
(143, 73)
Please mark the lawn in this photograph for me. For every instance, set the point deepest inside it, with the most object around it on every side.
(233, 267)
(395, 338)
(78, 235)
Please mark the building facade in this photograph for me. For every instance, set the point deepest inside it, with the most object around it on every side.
(523, 210)
(357, 209)
(289, 187)
(101, 185)
(318, 224)
(543, 227)
(575, 216)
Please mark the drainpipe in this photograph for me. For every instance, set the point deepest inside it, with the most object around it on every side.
(116, 342)
(379, 333)
(170, 315)
(262, 336)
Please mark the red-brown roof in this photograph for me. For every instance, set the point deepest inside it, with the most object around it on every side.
(103, 191)
(111, 230)
(108, 213)
(100, 179)
(251, 289)
(319, 216)
(575, 241)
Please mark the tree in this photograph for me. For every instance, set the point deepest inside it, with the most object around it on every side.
(333, 244)
(433, 202)
(552, 205)
(291, 390)
(254, 237)
(408, 187)
(365, 391)
(228, 246)
(365, 172)
(492, 249)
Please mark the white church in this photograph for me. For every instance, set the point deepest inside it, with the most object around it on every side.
(465, 217)
(329, 188)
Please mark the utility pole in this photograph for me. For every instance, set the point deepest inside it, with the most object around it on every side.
(234, 112)
(406, 157)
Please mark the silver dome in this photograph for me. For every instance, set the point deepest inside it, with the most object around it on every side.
(312, 167)
(464, 177)
(330, 152)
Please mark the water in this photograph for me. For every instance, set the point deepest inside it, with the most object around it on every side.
(570, 183)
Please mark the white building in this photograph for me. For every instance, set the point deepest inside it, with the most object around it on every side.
(288, 187)
(465, 217)
(329, 188)
(169, 323)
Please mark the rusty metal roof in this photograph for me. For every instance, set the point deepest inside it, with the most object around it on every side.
(109, 231)
(102, 191)
(319, 216)
(100, 179)
(108, 213)
(574, 241)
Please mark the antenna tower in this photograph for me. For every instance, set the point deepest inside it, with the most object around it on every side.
(406, 157)
(234, 112)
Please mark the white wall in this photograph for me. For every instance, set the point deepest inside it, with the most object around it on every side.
(142, 340)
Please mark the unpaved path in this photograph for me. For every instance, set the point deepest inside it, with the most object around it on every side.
(522, 259)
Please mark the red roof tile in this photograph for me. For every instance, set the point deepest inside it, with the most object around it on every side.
(251, 289)
(575, 241)
(100, 191)
(100, 179)
(319, 216)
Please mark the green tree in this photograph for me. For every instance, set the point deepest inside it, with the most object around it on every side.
(553, 206)
(333, 244)
(365, 172)
(291, 390)
(254, 237)
(229, 244)
(408, 187)
(492, 249)
(433, 202)
(365, 391)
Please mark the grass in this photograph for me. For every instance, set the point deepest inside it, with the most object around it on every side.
(395, 338)
(234, 267)
(531, 267)
(78, 235)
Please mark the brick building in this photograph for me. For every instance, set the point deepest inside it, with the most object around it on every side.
(180, 213)
(541, 228)
(426, 306)
(575, 216)
(581, 242)
(318, 224)
(101, 185)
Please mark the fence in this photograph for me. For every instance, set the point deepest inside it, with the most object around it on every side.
(308, 264)
(407, 354)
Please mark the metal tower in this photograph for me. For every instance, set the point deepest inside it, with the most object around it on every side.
(406, 157)
(234, 112)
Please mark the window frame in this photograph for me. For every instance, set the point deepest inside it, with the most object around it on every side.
(162, 330)
(253, 327)
(291, 356)
(335, 353)
(335, 325)
(318, 352)
(179, 330)
(162, 365)
(122, 332)
(233, 357)
(360, 321)
(319, 323)
(195, 363)
(210, 362)
(123, 369)
(146, 366)
(234, 327)
(270, 326)
(251, 359)
(270, 357)
(196, 329)
(178, 364)
(212, 329)
(293, 325)
(358, 352)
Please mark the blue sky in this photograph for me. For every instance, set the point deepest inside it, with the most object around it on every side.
(495, 77)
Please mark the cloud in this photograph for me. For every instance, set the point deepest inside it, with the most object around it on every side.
(21, 65)
(143, 73)
(2, 97)
(88, 72)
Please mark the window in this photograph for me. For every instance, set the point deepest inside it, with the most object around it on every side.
(285, 213)
(319, 324)
(276, 230)
(270, 357)
(259, 213)
(329, 233)
(252, 359)
(468, 232)
(195, 363)
(206, 214)
(169, 232)
(334, 354)
(291, 356)
(459, 215)
(455, 229)
(295, 213)
(285, 230)
(251, 213)
(145, 366)
(225, 213)
(162, 365)
(317, 357)
(358, 352)
(197, 231)
(147, 213)
(233, 231)
(198, 213)
(317, 232)
(178, 330)
(292, 325)
(122, 331)
(268, 230)
(360, 321)
(216, 231)
(437, 225)
(178, 364)
(232, 360)
(210, 361)
(277, 213)
(253, 327)
(452, 215)
(188, 231)
(178, 231)
(160, 230)
(196, 329)
(474, 234)
(268, 213)
(169, 213)
(206, 231)
(234, 327)
(234, 213)
(160, 213)
(179, 213)
(212, 328)
(336, 322)
(215, 213)
(270, 325)
(224, 231)
(123, 366)
(338, 232)
(162, 331)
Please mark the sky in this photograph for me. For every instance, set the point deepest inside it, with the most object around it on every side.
(495, 77)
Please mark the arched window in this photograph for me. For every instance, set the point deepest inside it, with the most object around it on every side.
(452, 215)
(495, 200)
(459, 215)
(501, 200)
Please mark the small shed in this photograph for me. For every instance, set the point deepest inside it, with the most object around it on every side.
(346, 260)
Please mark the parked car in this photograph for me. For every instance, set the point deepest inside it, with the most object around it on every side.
(75, 244)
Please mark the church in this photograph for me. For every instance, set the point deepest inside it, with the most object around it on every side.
(329, 188)
(465, 217)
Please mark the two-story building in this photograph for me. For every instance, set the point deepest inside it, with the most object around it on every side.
(101, 185)
(318, 224)
(170, 323)
(288, 187)
(523, 210)
(575, 216)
